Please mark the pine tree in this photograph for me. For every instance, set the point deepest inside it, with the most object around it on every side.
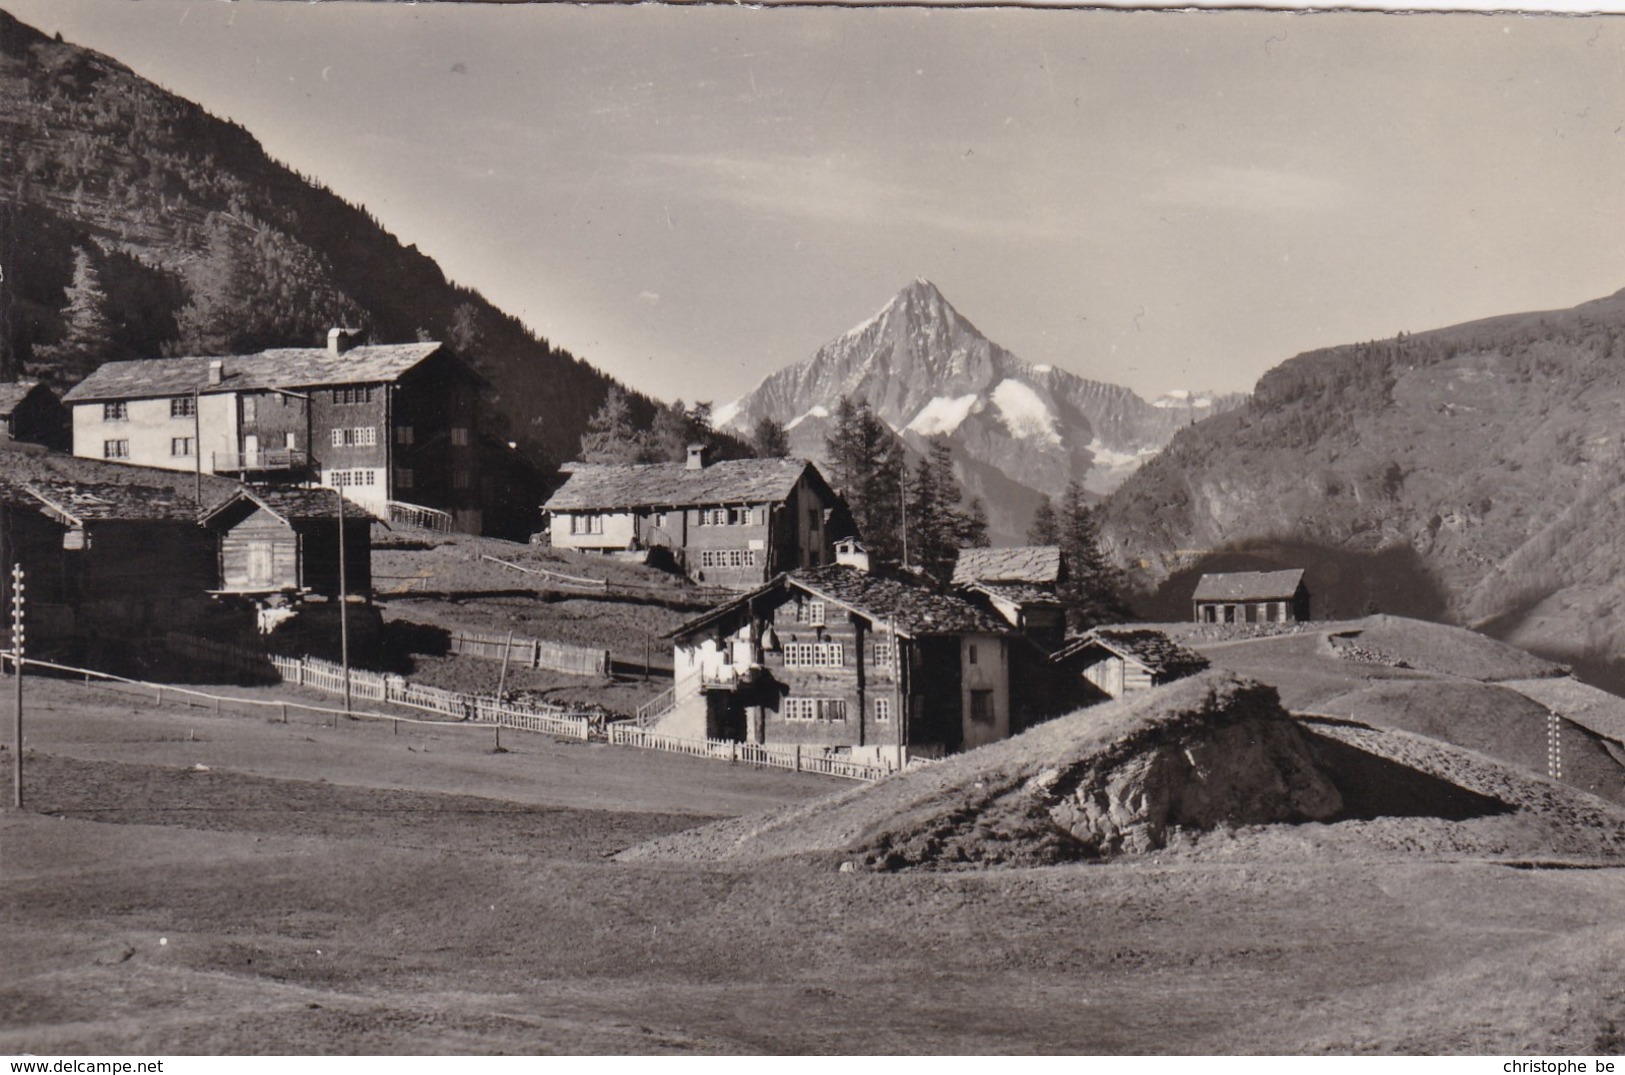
(866, 467)
(973, 526)
(87, 330)
(670, 435)
(610, 435)
(1094, 587)
(770, 439)
(935, 523)
(1045, 529)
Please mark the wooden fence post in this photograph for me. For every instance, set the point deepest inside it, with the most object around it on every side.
(798, 757)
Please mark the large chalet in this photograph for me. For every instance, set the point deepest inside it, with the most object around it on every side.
(734, 523)
(393, 425)
(837, 659)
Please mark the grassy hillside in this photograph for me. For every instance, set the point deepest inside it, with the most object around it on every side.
(1469, 474)
(196, 242)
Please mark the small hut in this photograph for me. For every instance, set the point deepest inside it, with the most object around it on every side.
(286, 541)
(1121, 660)
(1252, 597)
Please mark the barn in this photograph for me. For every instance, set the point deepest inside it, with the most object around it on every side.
(1252, 597)
(286, 541)
(1122, 660)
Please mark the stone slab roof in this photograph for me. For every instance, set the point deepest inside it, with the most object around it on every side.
(290, 505)
(27, 464)
(914, 607)
(1153, 650)
(1021, 593)
(1028, 563)
(606, 487)
(1249, 586)
(87, 502)
(281, 367)
(12, 393)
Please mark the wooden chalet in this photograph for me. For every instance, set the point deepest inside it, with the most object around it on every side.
(1251, 597)
(848, 662)
(1022, 585)
(284, 544)
(735, 523)
(1115, 661)
(30, 412)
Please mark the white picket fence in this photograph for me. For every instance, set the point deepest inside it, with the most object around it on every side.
(794, 758)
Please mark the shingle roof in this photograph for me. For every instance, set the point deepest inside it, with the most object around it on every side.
(606, 487)
(913, 607)
(1028, 563)
(13, 393)
(281, 367)
(1249, 586)
(1161, 655)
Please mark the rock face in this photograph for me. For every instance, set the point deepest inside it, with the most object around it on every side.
(1254, 770)
(1206, 752)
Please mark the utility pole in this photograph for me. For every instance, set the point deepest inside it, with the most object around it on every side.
(344, 607)
(197, 449)
(17, 674)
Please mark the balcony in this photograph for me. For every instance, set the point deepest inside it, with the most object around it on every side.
(266, 459)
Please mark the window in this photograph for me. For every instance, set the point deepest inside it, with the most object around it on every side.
(359, 437)
(115, 449)
(115, 412)
(970, 653)
(727, 557)
(403, 436)
(825, 709)
(981, 707)
(460, 480)
(355, 394)
(403, 478)
(459, 437)
(250, 408)
(180, 446)
(288, 442)
(345, 478)
(811, 613)
(881, 653)
(714, 516)
(182, 407)
(812, 519)
(586, 524)
(814, 655)
(882, 710)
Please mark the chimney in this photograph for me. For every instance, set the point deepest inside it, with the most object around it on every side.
(696, 457)
(849, 552)
(340, 340)
(217, 371)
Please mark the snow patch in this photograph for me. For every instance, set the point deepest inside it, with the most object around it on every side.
(1024, 411)
(942, 415)
(1043, 369)
(1105, 457)
(724, 415)
(817, 411)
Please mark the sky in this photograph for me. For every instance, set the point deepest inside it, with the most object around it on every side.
(692, 198)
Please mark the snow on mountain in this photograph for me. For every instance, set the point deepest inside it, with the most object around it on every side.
(1018, 431)
(942, 415)
(1025, 414)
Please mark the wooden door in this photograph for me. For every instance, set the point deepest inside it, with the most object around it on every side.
(260, 563)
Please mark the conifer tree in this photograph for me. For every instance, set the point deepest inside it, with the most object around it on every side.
(611, 436)
(866, 467)
(1045, 529)
(1093, 592)
(87, 330)
(770, 439)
